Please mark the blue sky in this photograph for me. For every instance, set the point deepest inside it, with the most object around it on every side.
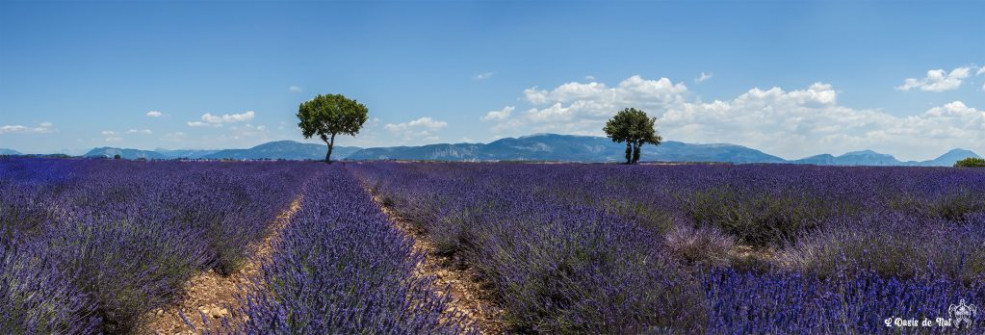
(790, 78)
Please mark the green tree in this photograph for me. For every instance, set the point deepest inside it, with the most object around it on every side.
(329, 115)
(970, 162)
(635, 128)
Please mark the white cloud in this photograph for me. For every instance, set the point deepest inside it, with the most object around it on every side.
(202, 124)
(154, 114)
(139, 131)
(108, 133)
(113, 139)
(226, 118)
(634, 88)
(703, 77)
(425, 122)
(937, 80)
(484, 76)
(498, 115)
(420, 129)
(580, 108)
(590, 77)
(294, 88)
(788, 123)
(217, 120)
(43, 127)
(981, 71)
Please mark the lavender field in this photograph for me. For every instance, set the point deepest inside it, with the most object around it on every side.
(93, 246)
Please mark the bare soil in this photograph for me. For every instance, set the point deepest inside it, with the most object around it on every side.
(467, 296)
(214, 295)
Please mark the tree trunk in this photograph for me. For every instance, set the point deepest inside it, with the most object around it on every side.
(331, 144)
(636, 152)
(629, 152)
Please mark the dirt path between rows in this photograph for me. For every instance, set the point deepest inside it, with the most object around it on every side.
(467, 297)
(216, 295)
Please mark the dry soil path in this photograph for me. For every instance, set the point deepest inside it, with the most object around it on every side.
(468, 299)
(216, 295)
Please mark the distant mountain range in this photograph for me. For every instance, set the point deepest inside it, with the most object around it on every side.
(568, 148)
(872, 158)
(283, 150)
(271, 150)
(541, 147)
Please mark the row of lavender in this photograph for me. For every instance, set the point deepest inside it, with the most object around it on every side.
(91, 246)
(341, 268)
(615, 249)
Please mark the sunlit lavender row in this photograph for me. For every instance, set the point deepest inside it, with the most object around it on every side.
(342, 268)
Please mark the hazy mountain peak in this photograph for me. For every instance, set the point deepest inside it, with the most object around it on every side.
(864, 153)
(9, 152)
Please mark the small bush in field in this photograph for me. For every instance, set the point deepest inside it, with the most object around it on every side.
(893, 245)
(958, 205)
(700, 246)
(759, 219)
(36, 298)
(970, 162)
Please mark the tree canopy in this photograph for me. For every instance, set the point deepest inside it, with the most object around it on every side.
(635, 128)
(331, 114)
(970, 162)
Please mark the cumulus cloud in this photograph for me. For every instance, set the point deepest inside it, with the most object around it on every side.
(154, 114)
(202, 124)
(294, 88)
(484, 76)
(113, 139)
(421, 129)
(139, 131)
(789, 123)
(501, 114)
(937, 80)
(43, 127)
(578, 108)
(108, 133)
(634, 88)
(703, 77)
(981, 71)
(209, 120)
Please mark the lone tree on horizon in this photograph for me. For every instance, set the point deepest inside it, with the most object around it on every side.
(329, 115)
(635, 128)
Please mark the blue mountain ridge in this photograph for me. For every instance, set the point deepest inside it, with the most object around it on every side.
(540, 147)
(9, 152)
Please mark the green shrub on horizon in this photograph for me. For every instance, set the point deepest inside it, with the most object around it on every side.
(970, 162)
